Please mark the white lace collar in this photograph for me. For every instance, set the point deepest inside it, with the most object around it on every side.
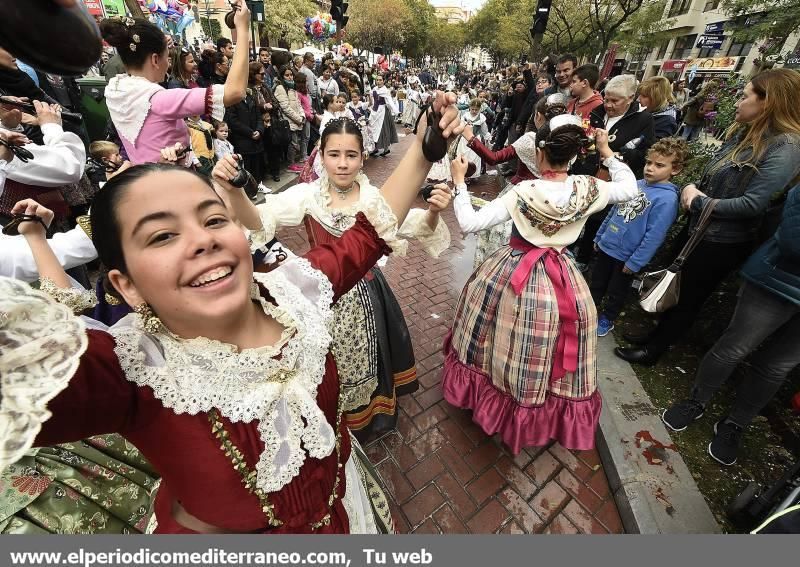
(128, 101)
(196, 375)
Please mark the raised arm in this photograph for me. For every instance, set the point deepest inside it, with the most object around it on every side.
(236, 82)
(402, 187)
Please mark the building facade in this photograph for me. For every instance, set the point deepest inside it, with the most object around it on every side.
(701, 46)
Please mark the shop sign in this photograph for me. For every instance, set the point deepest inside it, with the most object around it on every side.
(714, 64)
(710, 41)
(673, 65)
(95, 8)
(716, 28)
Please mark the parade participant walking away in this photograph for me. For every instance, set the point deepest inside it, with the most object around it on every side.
(412, 106)
(655, 96)
(149, 117)
(768, 314)
(749, 175)
(634, 231)
(584, 98)
(196, 369)
(381, 119)
(522, 351)
(371, 342)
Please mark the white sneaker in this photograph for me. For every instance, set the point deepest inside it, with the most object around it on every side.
(263, 188)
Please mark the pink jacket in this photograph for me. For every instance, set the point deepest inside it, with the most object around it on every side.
(305, 102)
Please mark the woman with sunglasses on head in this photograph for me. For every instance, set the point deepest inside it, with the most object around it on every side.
(522, 352)
(371, 342)
(225, 380)
(183, 70)
(149, 117)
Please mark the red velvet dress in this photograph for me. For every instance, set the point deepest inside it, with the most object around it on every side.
(506, 154)
(195, 472)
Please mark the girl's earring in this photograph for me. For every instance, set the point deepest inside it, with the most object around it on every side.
(150, 323)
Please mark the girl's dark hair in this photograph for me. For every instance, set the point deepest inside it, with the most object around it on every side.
(341, 126)
(124, 37)
(282, 72)
(549, 111)
(105, 220)
(327, 99)
(561, 144)
(179, 57)
(209, 61)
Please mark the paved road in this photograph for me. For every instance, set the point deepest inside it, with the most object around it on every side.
(444, 475)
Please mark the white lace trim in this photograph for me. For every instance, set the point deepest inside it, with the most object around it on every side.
(196, 375)
(370, 202)
(435, 241)
(525, 146)
(41, 344)
(218, 102)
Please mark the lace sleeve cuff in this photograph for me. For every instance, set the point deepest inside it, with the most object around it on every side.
(78, 300)
(384, 221)
(433, 241)
(215, 105)
(42, 344)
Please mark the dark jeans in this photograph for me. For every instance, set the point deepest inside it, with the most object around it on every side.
(273, 153)
(609, 281)
(759, 315)
(704, 270)
(502, 136)
(586, 245)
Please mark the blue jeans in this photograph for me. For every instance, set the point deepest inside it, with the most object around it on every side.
(690, 133)
(760, 317)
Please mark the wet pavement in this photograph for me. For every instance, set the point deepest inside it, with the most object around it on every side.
(443, 474)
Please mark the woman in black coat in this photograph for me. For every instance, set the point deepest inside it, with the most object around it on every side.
(246, 125)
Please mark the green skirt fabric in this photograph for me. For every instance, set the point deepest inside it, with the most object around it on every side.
(100, 485)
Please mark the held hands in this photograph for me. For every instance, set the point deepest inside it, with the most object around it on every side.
(31, 229)
(458, 169)
(601, 143)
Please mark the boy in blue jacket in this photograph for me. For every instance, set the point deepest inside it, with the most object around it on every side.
(633, 231)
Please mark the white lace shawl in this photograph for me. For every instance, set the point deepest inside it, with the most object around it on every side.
(193, 376)
(41, 344)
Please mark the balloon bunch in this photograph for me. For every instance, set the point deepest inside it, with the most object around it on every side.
(345, 50)
(172, 16)
(320, 27)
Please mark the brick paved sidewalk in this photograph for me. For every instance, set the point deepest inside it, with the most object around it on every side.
(444, 475)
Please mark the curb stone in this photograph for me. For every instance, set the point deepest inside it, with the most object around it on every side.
(654, 490)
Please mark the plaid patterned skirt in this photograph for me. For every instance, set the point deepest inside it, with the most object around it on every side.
(499, 358)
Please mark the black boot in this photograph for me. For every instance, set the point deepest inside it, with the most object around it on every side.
(636, 338)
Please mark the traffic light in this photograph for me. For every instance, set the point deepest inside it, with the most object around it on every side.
(338, 11)
(540, 18)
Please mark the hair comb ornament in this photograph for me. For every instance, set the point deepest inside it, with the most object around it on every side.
(565, 120)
